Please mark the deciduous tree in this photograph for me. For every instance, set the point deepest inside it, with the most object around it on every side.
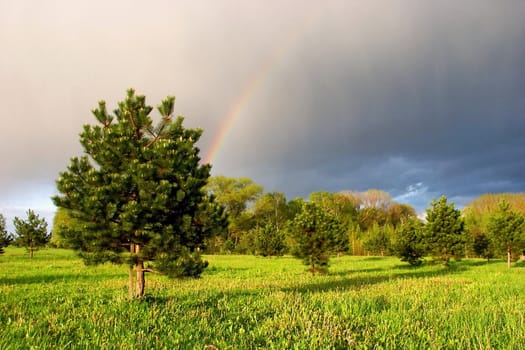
(62, 221)
(32, 232)
(398, 212)
(235, 195)
(374, 198)
(138, 193)
(271, 208)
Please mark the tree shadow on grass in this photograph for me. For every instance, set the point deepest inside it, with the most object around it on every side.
(454, 266)
(374, 258)
(358, 282)
(353, 271)
(519, 264)
(480, 262)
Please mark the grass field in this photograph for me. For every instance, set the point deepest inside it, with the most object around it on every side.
(243, 302)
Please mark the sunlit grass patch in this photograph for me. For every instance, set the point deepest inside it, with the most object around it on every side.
(247, 302)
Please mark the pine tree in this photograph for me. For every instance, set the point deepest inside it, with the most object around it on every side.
(5, 238)
(506, 228)
(269, 240)
(315, 233)
(482, 246)
(32, 233)
(379, 239)
(409, 244)
(444, 231)
(138, 193)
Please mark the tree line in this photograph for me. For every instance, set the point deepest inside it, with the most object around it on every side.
(370, 223)
(355, 223)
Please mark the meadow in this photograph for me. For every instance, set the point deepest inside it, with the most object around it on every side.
(53, 301)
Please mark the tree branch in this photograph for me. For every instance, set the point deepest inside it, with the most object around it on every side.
(153, 271)
(137, 130)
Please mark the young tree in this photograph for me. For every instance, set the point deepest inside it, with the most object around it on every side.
(378, 239)
(344, 207)
(410, 242)
(506, 227)
(444, 230)
(314, 232)
(5, 238)
(32, 233)
(269, 240)
(138, 193)
(482, 246)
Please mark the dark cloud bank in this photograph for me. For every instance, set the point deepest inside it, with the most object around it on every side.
(415, 98)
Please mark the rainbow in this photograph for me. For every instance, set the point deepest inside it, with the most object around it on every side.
(251, 88)
(235, 110)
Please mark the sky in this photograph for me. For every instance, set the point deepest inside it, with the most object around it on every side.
(416, 98)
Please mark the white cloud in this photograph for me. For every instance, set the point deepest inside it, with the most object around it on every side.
(412, 191)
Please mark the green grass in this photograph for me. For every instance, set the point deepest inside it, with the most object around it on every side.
(243, 302)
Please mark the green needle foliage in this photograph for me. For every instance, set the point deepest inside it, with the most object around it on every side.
(315, 233)
(137, 194)
(5, 238)
(506, 227)
(482, 246)
(32, 233)
(269, 240)
(410, 242)
(444, 231)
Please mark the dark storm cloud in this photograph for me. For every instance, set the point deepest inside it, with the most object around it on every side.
(443, 93)
(415, 98)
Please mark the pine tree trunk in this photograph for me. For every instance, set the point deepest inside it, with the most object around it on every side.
(141, 282)
(446, 260)
(136, 282)
(508, 257)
